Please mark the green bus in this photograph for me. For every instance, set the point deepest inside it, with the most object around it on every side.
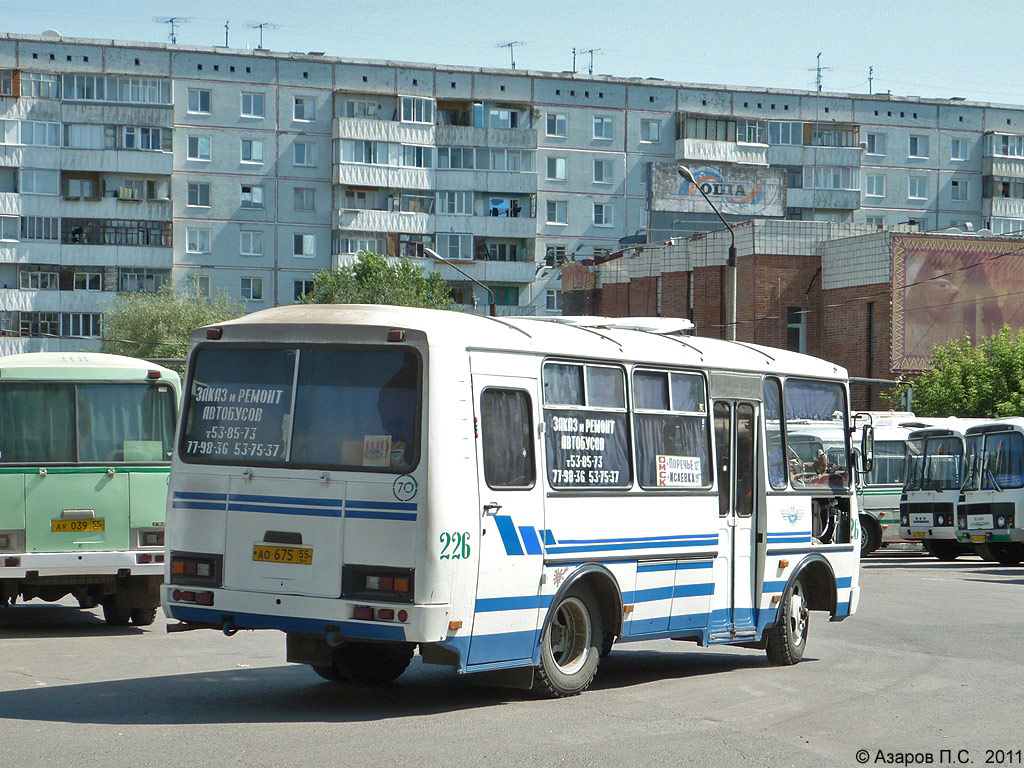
(85, 445)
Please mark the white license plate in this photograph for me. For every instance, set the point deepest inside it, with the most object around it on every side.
(979, 521)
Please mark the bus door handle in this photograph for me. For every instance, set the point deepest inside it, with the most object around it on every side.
(492, 508)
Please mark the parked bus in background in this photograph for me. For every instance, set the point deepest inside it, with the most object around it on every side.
(989, 515)
(510, 495)
(85, 442)
(935, 474)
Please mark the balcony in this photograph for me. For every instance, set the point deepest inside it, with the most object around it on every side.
(158, 257)
(721, 152)
(786, 154)
(15, 299)
(383, 130)
(830, 199)
(10, 204)
(484, 271)
(508, 227)
(116, 208)
(510, 182)
(1002, 208)
(497, 138)
(1012, 167)
(387, 176)
(144, 163)
(385, 221)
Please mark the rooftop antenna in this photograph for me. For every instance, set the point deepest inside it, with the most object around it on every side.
(591, 51)
(260, 26)
(226, 23)
(871, 73)
(173, 22)
(511, 50)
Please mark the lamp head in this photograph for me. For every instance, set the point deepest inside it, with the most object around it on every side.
(683, 171)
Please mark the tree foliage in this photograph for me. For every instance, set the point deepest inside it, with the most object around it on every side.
(981, 381)
(375, 279)
(159, 324)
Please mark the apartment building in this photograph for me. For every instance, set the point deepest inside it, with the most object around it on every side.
(125, 166)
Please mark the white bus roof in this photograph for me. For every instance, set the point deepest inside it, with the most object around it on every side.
(602, 338)
(78, 365)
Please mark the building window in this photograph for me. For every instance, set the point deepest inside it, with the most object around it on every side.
(303, 246)
(554, 254)
(305, 109)
(917, 188)
(602, 171)
(878, 222)
(252, 196)
(1006, 145)
(603, 128)
(252, 151)
(553, 302)
(302, 289)
(198, 285)
(876, 143)
(39, 134)
(502, 118)
(958, 189)
(785, 132)
(834, 135)
(556, 169)
(751, 131)
(305, 199)
(199, 100)
(502, 252)
(37, 182)
(88, 280)
(958, 150)
(831, 177)
(38, 279)
(80, 189)
(455, 203)
(919, 146)
(40, 228)
(198, 194)
(305, 153)
(369, 152)
(415, 156)
(602, 215)
(126, 90)
(455, 246)
(709, 129)
(417, 110)
(198, 147)
(650, 131)
(796, 329)
(252, 288)
(874, 186)
(252, 105)
(556, 124)
(250, 242)
(141, 280)
(197, 240)
(84, 136)
(362, 109)
(506, 295)
(39, 324)
(10, 227)
(6, 82)
(40, 85)
(557, 212)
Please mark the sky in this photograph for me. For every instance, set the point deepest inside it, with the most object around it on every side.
(941, 48)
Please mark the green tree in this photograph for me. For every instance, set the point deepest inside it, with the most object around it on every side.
(981, 381)
(159, 324)
(375, 279)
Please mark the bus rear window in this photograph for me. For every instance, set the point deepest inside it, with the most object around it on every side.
(345, 408)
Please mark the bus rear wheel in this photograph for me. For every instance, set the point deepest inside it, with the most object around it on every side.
(943, 549)
(571, 645)
(116, 614)
(143, 617)
(1007, 554)
(786, 640)
(367, 663)
(870, 535)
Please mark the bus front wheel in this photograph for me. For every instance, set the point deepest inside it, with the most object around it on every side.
(367, 663)
(870, 535)
(570, 647)
(943, 549)
(786, 640)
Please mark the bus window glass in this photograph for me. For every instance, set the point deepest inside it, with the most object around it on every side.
(356, 408)
(744, 458)
(506, 429)
(890, 463)
(1003, 461)
(915, 464)
(816, 440)
(972, 462)
(124, 422)
(586, 443)
(563, 384)
(37, 423)
(773, 433)
(671, 435)
(942, 466)
(723, 446)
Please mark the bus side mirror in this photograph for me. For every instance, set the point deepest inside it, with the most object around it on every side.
(867, 448)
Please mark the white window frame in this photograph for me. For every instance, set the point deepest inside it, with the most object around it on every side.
(250, 288)
(253, 199)
(416, 109)
(199, 187)
(561, 121)
(455, 246)
(454, 203)
(955, 145)
(300, 194)
(307, 106)
(198, 239)
(653, 130)
(88, 277)
(914, 181)
(250, 242)
(253, 96)
(198, 101)
(604, 215)
(874, 185)
(604, 128)
(553, 300)
(606, 171)
(196, 144)
(10, 229)
(422, 156)
(307, 243)
(872, 141)
(959, 189)
(556, 168)
(552, 209)
(255, 151)
(28, 181)
(916, 144)
(309, 152)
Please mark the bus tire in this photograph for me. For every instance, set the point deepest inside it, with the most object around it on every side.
(143, 617)
(1006, 554)
(942, 549)
(367, 663)
(870, 535)
(571, 645)
(787, 638)
(983, 551)
(114, 614)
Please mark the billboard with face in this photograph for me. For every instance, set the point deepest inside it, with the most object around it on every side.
(946, 286)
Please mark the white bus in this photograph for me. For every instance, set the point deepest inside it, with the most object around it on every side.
(988, 515)
(510, 495)
(935, 473)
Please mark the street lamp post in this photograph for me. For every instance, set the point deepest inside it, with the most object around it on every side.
(493, 307)
(730, 316)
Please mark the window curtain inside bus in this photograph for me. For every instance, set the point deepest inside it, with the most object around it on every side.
(663, 434)
(773, 433)
(506, 427)
(563, 384)
(816, 401)
(37, 423)
(124, 422)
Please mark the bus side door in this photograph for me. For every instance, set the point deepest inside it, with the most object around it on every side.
(511, 514)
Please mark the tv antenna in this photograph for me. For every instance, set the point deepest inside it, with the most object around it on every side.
(591, 51)
(173, 22)
(261, 26)
(511, 49)
(818, 69)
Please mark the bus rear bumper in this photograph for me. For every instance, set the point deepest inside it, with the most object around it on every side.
(332, 618)
(79, 564)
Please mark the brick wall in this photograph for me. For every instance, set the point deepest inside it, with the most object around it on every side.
(708, 310)
(846, 312)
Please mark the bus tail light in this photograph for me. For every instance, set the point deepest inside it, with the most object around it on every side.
(153, 539)
(188, 596)
(12, 562)
(378, 583)
(195, 569)
(5, 541)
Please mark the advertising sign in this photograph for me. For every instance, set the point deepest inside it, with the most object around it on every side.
(734, 189)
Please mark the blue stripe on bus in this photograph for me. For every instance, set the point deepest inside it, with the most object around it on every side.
(777, 534)
(802, 539)
(665, 593)
(382, 504)
(293, 500)
(549, 538)
(373, 514)
(844, 582)
(204, 505)
(503, 646)
(773, 586)
(530, 540)
(645, 538)
(287, 623)
(335, 512)
(673, 566)
(507, 531)
(198, 495)
(490, 604)
(709, 542)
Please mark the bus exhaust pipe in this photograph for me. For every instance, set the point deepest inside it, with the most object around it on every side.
(229, 629)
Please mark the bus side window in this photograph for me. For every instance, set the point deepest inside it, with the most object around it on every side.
(506, 429)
